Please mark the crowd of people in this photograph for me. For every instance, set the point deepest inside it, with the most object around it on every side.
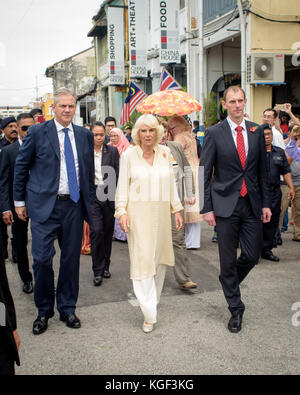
(86, 186)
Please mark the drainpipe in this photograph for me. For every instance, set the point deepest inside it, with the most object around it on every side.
(200, 134)
(243, 45)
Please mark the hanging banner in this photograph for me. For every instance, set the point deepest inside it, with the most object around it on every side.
(138, 28)
(115, 23)
(168, 14)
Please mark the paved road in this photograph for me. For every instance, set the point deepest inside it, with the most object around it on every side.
(191, 335)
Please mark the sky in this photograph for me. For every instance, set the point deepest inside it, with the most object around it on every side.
(35, 34)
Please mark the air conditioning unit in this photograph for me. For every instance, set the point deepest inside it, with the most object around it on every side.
(265, 68)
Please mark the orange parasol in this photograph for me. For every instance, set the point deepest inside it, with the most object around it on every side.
(168, 103)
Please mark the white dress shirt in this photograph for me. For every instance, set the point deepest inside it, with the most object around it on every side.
(63, 178)
(233, 126)
(278, 140)
(98, 167)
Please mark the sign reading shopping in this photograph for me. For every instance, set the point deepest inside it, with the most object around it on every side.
(169, 31)
(137, 26)
(116, 46)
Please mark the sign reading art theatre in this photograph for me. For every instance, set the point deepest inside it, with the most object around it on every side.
(138, 28)
(115, 23)
(168, 13)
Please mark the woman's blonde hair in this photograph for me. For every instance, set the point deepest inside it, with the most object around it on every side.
(163, 123)
(150, 121)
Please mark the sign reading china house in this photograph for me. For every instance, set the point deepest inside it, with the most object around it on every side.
(168, 14)
(138, 29)
(115, 23)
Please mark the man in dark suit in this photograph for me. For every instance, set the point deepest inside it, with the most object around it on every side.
(9, 338)
(19, 228)
(102, 226)
(10, 135)
(54, 184)
(237, 199)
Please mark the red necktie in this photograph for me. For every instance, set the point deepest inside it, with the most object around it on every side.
(242, 154)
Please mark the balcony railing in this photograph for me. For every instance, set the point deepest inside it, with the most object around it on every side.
(212, 9)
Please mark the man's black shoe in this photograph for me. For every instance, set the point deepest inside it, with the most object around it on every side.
(40, 325)
(106, 274)
(235, 323)
(270, 257)
(71, 321)
(28, 287)
(97, 281)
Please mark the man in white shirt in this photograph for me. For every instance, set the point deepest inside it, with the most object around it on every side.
(54, 186)
(270, 116)
(236, 196)
(19, 228)
(102, 225)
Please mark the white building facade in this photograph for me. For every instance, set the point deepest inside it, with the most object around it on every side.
(218, 38)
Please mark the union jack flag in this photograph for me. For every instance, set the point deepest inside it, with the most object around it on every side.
(168, 82)
(135, 96)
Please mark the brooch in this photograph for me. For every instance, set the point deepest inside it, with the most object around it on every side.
(253, 129)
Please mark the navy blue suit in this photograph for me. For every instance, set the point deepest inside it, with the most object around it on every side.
(36, 181)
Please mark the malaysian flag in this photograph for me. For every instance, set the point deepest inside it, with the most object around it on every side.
(167, 82)
(135, 96)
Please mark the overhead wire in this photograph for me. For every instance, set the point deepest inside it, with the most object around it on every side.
(229, 20)
(21, 20)
(24, 89)
(235, 15)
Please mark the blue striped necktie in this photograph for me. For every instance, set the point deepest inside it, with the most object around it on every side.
(71, 170)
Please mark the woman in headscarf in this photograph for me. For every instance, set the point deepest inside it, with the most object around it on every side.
(118, 140)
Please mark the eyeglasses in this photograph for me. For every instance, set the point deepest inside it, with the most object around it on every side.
(24, 128)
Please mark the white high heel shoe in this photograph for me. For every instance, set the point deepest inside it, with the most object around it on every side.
(147, 327)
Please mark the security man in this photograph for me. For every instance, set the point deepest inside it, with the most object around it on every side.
(10, 135)
(277, 165)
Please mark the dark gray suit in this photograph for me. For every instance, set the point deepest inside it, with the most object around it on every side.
(8, 158)
(8, 349)
(102, 224)
(238, 219)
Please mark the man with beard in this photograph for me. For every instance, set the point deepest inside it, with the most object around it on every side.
(9, 128)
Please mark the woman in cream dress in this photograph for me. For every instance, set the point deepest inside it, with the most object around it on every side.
(145, 198)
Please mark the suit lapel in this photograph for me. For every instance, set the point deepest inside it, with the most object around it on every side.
(53, 137)
(251, 137)
(79, 141)
(16, 151)
(104, 155)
